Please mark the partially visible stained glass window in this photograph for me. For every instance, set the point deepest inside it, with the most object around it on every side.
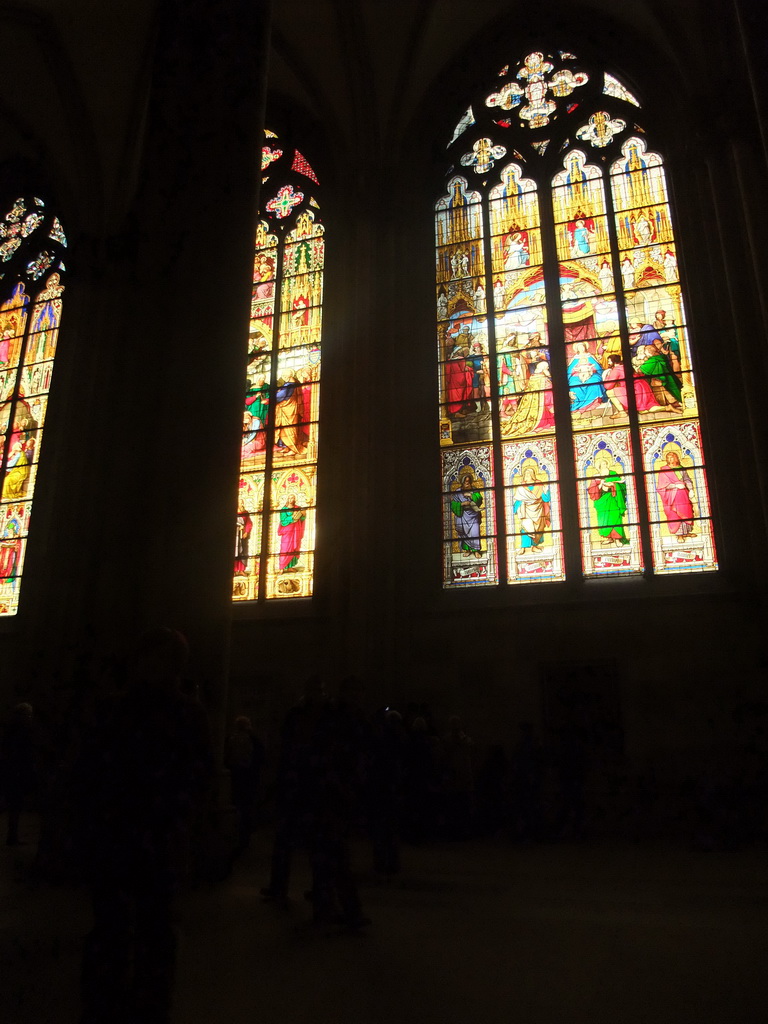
(32, 243)
(561, 318)
(275, 543)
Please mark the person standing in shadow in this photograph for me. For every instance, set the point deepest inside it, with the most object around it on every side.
(142, 776)
(295, 779)
(17, 766)
(245, 760)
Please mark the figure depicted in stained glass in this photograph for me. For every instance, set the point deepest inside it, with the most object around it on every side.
(608, 494)
(535, 410)
(17, 470)
(466, 506)
(650, 361)
(670, 266)
(670, 342)
(585, 379)
(479, 365)
(256, 405)
(615, 384)
(581, 231)
(513, 365)
(258, 353)
(264, 276)
(458, 379)
(291, 533)
(244, 530)
(6, 337)
(607, 245)
(532, 507)
(10, 548)
(627, 273)
(290, 435)
(675, 488)
(605, 275)
(516, 248)
(21, 452)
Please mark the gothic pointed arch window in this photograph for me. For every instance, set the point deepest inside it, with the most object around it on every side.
(569, 418)
(274, 556)
(32, 245)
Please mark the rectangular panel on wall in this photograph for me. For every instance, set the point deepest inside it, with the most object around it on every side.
(250, 508)
(463, 343)
(681, 528)
(532, 503)
(664, 385)
(14, 526)
(465, 413)
(610, 536)
(469, 518)
(292, 532)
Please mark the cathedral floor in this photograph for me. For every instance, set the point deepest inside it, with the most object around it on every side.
(478, 932)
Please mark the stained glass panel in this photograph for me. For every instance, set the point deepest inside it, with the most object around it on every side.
(31, 245)
(610, 537)
(469, 518)
(613, 87)
(292, 533)
(248, 537)
(532, 501)
(681, 528)
(463, 342)
(587, 261)
(276, 530)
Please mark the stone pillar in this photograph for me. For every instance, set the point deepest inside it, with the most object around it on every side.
(171, 417)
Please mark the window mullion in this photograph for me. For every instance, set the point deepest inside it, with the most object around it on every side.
(499, 496)
(559, 374)
(266, 510)
(629, 381)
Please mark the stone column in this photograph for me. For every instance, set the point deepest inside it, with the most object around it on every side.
(172, 415)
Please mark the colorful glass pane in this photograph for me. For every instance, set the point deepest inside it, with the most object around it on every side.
(613, 87)
(469, 518)
(531, 94)
(483, 156)
(57, 232)
(269, 155)
(610, 535)
(534, 537)
(467, 119)
(30, 316)
(286, 200)
(601, 129)
(681, 527)
(302, 166)
(276, 522)
(593, 271)
(292, 533)
(463, 345)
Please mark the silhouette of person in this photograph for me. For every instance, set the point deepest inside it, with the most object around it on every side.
(141, 778)
(245, 760)
(293, 784)
(338, 752)
(18, 766)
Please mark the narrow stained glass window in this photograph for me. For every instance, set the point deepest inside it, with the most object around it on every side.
(32, 244)
(275, 543)
(566, 372)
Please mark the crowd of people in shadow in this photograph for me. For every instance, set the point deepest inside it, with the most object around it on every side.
(123, 775)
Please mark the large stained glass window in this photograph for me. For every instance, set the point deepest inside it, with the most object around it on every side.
(569, 419)
(32, 244)
(275, 543)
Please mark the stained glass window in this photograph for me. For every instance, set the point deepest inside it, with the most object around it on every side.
(32, 244)
(275, 542)
(569, 419)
